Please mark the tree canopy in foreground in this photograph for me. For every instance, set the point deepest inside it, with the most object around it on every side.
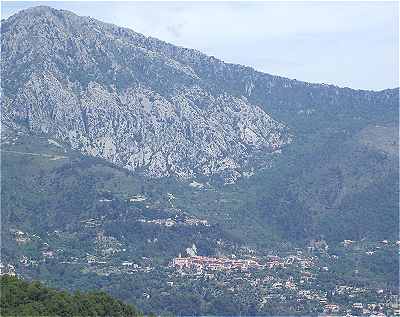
(21, 298)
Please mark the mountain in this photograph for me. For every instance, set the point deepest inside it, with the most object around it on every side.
(147, 105)
(160, 110)
(102, 90)
(120, 152)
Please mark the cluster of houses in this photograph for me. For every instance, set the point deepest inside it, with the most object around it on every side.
(372, 309)
(7, 269)
(210, 263)
(169, 222)
(137, 198)
(348, 243)
(20, 237)
(195, 262)
(91, 223)
(196, 222)
(107, 245)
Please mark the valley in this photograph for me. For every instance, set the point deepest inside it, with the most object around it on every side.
(189, 186)
(127, 240)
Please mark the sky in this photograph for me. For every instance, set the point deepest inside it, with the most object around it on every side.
(349, 44)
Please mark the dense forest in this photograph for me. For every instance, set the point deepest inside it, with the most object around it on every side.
(21, 298)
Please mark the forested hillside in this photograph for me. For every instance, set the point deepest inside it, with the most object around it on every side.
(21, 298)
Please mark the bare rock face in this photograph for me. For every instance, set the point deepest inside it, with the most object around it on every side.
(159, 109)
(112, 93)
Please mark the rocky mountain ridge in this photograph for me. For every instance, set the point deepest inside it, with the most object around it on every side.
(156, 108)
(88, 84)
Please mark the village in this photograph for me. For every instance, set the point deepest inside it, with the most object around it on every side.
(293, 278)
(200, 263)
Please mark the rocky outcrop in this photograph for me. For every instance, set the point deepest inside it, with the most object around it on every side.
(98, 88)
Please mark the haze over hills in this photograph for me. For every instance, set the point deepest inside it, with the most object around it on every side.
(119, 148)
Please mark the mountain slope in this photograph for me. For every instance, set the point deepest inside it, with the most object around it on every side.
(109, 97)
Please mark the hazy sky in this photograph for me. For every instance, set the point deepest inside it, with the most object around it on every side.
(343, 43)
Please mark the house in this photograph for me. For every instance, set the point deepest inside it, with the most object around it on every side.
(347, 242)
(127, 264)
(332, 308)
(48, 254)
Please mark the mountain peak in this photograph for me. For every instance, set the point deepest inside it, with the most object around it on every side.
(33, 20)
(37, 11)
(40, 9)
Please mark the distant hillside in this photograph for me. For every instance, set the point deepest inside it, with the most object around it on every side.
(20, 298)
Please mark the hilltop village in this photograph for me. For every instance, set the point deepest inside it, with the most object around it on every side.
(269, 281)
(295, 278)
(200, 263)
(234, 276)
